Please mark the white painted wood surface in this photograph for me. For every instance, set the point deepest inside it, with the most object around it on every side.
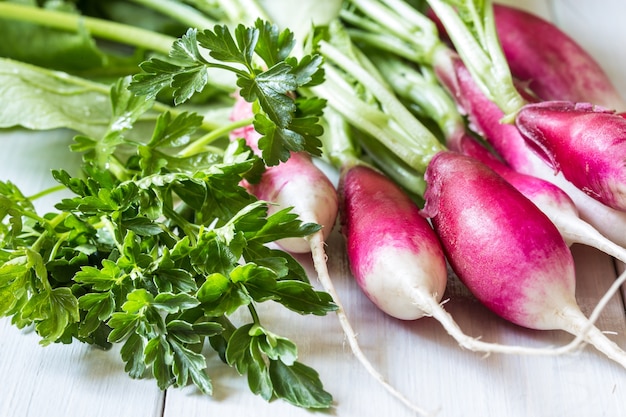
(417, 357)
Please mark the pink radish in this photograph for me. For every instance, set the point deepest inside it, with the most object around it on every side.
(396, 257)
(393, 252)
(484, 117)
(300, 184)
(562, 131)
(283, 185)
(550, 199)
(466, 198)
(551, 62)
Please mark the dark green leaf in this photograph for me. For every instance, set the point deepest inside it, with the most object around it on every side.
(173, 303)
(238, 349)
(302, 298)
(259, 379)
(299, 385)
(132, 353)
(99, 308)
(186, 364)
(274, 45)
(100, 279)
(223, 47)
(62, 310)
(174, 132)
(123, 325)
(159, 354)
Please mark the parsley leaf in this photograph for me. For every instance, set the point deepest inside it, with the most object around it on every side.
(259, 57)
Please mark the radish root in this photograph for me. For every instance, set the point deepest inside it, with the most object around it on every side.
(319, 256)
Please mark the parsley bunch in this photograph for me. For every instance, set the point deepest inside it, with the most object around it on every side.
(158, 249)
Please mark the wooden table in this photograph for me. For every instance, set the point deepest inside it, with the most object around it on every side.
(417, 357)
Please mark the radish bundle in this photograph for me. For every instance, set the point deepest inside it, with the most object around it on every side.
(394, 254)
(471, 27)
(394, 26)
(410, 140)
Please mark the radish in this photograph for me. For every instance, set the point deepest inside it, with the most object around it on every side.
(550, 199)
(472, 30)
(554, 66)
(393, 252)
(533, 284)
(300, 184)
(563, 131)
(283, 185)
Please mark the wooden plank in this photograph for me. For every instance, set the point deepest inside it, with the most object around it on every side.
(68, 380)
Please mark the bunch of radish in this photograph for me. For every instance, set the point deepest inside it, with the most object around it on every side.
(480, 209)
(542, 265)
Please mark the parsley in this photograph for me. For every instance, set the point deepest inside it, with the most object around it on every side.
(259, 58)
(122, 262)
(159, 244)
(156, 251)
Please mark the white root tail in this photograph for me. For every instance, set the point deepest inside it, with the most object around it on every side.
(574, 322)
(318, 253)
(434, 309)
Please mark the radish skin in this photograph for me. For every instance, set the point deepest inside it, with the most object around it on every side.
(392, 250)
(534, 284)
(562, 131)
(552, 201)
(554, 65)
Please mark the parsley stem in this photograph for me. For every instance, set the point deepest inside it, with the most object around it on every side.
(46, 192)
(199, 145)
(186, 226)
(113, 31)
(110, 227)
(183, 13)
(254, 314)
(50, 225)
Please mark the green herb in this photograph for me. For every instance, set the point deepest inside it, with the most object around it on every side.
(286, 123)
(158, 248)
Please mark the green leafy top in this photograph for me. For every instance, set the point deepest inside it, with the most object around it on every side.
(266, 74)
